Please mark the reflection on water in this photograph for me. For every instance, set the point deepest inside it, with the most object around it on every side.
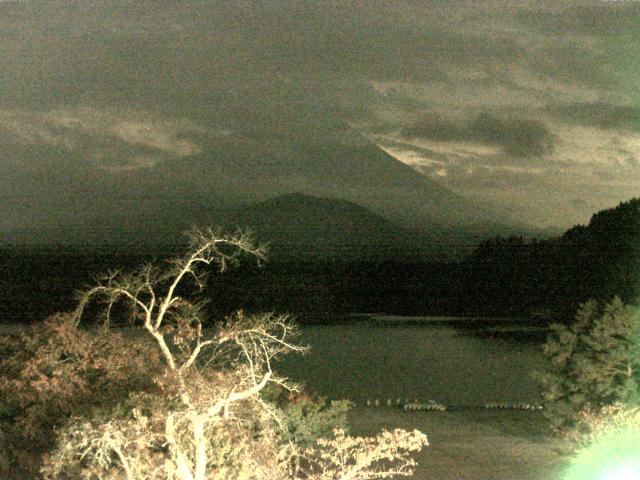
(358, 361)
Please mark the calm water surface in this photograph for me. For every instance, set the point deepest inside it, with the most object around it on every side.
(358, 361)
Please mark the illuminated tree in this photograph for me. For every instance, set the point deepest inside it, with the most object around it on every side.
(204, 411)
(593, 362)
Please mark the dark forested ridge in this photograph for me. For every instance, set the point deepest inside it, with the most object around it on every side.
(503, 277)
(40, 282)
(536, 279)
(598, 260)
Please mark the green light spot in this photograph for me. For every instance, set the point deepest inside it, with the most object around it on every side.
(615, 456)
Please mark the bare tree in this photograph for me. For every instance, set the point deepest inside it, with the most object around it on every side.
(208, 419)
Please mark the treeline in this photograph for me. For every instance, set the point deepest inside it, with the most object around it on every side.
(328, 291)
(39, 283)
(544, 280)
(599, 260)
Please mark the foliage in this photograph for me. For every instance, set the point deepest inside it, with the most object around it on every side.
(175, 398)
(55, 370)
(608, 420)
(593, 362)
(306, 417)
(362, 458)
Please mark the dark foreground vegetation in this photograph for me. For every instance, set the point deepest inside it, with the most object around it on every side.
(538, 280)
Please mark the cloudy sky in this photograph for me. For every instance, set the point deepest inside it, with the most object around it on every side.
(529, 106)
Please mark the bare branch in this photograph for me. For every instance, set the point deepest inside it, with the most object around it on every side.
(210, 384)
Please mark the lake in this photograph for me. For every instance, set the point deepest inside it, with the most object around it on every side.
(441, 360)
(428, 360)
(450, 365)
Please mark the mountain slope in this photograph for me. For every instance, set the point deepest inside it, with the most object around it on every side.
(355, 170)
(294, 225)
(329, 159)
(299, 225)
(265, 153)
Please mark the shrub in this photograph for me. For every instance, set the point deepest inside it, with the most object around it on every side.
(608, 420)
(593, 362)
(54, 370)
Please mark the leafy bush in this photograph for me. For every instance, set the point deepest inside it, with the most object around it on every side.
(173, 399)
(307, 417)
(55, 370)
(609, 420)
(593, 362)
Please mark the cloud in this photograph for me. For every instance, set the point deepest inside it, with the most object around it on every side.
(517, 137)
(118, 141)
(139, 162)
(155, 136)
(606, 116)
(434, 127)
(601, 19)
(160, 78)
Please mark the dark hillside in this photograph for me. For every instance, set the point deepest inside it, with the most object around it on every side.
(298, 226)
(598, 260)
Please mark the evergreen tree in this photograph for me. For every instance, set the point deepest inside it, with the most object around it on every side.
(593, 362)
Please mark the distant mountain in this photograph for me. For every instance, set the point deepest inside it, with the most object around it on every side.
(299, 225)
(293, 225)
(271, 156)
(264, 154)
(337, 162)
